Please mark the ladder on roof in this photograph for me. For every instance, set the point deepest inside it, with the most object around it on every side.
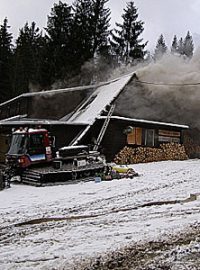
(104, 127)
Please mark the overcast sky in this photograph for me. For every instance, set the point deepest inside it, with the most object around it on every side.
(167, 17)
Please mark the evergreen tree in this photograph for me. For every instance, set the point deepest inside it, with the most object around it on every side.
(95, 69)
(5, 62)
(161, 48)
(59, 49)
(188, 45)
(27, 59)
(75, 35)
(181, 47)
(174, 47)
(83, 38)
(125, 39)
(100, 25)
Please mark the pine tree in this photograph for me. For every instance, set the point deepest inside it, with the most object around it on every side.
(188, 45)
(174, 47)
(181, 46)
(100, 26)
(83, 39)
(5, 62)
(75, 35)
(27, 59)
(161, 48)
(125, 39)
(59, 47)
(96, 69)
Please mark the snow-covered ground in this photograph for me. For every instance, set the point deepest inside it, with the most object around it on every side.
(53, 227)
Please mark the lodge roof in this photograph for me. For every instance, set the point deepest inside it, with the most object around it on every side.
(99, 100)
(87, 111)
(146, 122)
(50, 92)
(29, 121)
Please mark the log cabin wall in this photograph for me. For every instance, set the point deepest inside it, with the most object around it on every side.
(152, 137)
(122, 133)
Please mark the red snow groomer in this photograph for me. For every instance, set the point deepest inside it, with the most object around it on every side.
(32, 158)
(29, 146)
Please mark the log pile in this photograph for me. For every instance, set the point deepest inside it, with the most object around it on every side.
(168, 151)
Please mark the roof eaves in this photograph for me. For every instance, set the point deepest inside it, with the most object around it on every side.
(146, 121)
(37, 122)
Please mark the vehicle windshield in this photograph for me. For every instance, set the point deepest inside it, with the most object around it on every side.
(18, 144)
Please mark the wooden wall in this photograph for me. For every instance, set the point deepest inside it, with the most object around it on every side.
(116, 137)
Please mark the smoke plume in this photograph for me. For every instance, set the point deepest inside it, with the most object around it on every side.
(167, 90)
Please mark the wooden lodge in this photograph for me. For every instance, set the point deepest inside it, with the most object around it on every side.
(77, 115)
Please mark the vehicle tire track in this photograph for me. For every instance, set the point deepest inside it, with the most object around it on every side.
(6, 237)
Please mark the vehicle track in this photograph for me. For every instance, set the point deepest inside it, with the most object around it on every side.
(51, 222)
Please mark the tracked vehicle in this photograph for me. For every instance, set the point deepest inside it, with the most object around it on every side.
(33, 159)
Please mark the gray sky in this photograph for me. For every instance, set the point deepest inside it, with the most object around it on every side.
(167, 17)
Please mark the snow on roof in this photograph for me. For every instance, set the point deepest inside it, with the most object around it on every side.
(98, 101)
(145, 121)
(50, 92)
(14, 118)
(30, 121)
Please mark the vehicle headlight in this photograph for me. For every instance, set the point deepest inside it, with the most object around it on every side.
(21, 160)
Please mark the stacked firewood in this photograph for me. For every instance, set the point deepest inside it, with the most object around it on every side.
(168, 151)
(174, 151)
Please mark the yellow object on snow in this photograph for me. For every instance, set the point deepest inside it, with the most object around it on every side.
(121, 168)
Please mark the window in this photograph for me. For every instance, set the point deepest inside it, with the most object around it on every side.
(149, 137)
(18, 144)
(88, 102)
(36, 140)
(36, 144)
(135, 136)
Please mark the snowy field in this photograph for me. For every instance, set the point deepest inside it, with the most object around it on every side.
(57, 226)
